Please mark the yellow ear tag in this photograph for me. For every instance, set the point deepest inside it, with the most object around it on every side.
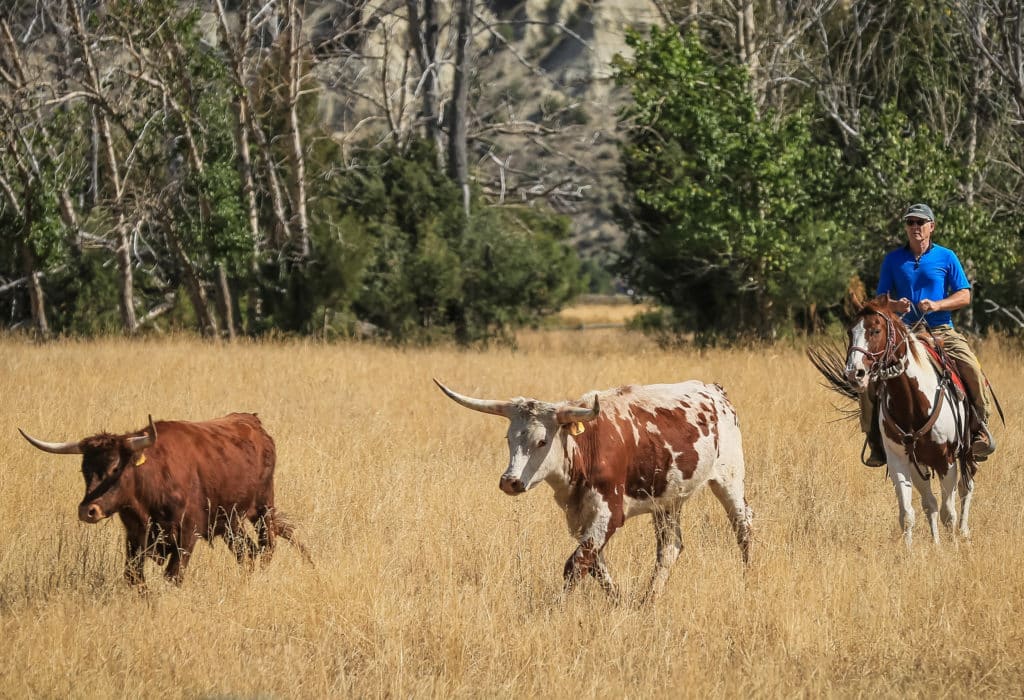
(141, 460)
(576, 428)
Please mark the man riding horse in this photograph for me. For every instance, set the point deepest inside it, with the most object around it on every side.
(926, 281)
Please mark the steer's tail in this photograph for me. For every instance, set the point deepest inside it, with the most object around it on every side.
(283, 527)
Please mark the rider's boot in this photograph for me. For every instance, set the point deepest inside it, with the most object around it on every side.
(877, 457)
(982, 443)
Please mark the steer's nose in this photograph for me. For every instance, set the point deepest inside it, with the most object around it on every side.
(511, 486)
(90, 513)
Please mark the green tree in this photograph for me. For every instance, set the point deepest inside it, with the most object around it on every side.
(728, 218)
(431, 273)
(898, 162)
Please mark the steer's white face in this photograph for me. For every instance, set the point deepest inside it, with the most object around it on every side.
(535, 450)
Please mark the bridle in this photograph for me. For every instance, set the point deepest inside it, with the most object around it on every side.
(885, 363)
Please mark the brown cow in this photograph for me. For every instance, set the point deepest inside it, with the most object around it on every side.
(199, 479)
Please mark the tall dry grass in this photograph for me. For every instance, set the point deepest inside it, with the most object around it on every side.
(432, 583)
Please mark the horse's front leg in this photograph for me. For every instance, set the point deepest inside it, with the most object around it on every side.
(904, 487)
(966, 489)
(930, 506)
(947, 508)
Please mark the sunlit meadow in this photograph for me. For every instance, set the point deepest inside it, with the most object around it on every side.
(429, 582)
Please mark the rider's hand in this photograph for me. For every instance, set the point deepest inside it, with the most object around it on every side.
(927, 306)
(900, 306)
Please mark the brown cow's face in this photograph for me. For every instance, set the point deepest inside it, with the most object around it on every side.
(103, 468)
(106, 459)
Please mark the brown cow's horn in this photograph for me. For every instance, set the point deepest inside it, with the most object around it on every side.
(57, 448)
(572, 414)
(498, 408)
(147, 439)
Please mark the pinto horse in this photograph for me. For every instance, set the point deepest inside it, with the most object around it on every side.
(922, 415)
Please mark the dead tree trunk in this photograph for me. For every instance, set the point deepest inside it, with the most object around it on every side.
(458, 164)
(193, 285)
(423, 32)
(28, 268)
(92, 80)
(297, 156)
(236, 51)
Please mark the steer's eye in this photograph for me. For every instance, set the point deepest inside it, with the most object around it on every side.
(541, 443)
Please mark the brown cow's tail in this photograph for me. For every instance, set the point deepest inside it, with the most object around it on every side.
(283, 527)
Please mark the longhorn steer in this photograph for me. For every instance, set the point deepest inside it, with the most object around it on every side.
(200, 479)
(623, 452)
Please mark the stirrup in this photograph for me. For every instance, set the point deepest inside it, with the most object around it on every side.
(873, 459)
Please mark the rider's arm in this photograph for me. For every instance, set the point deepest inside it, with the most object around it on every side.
(957, 300)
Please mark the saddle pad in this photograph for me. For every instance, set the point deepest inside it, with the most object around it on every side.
(933, 355)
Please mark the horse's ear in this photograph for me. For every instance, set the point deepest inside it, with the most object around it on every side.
(855, 294)
(882, 301)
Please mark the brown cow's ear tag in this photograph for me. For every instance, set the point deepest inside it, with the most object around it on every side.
(141, 460)
(576, 428)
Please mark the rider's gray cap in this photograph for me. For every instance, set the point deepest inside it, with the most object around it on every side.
(919, 211)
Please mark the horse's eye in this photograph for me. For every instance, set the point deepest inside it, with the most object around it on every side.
(541, 443)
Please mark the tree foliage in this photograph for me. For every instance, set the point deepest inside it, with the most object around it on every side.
(157, 170)
(431, 272)
(746, 215)
(728, 223)
(175, 165)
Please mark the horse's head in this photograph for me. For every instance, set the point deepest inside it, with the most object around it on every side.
(875, 337)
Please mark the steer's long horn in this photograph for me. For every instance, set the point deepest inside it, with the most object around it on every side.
(498, 408)
(57, 448)
(572, 414)
(147, 439)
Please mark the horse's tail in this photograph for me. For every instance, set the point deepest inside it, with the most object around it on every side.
(830, 361)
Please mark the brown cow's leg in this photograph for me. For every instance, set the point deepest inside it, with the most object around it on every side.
(181, 552)
(573, 572)
(134, 562)
(240, 542)
(599, 571)
(266, 532)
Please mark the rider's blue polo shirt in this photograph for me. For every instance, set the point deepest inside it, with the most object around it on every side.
(936, 275)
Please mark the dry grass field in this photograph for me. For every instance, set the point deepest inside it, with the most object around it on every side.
(588, 315)
(430, 582)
